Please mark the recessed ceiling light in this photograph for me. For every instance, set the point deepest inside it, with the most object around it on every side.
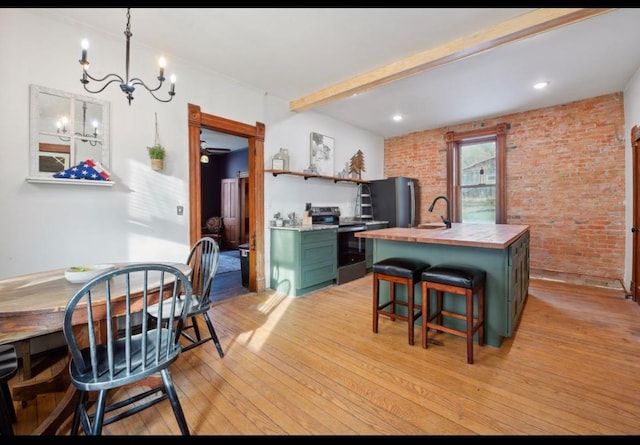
(540, 85)
(397, 117)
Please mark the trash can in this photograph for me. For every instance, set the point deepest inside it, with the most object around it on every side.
(244, 263)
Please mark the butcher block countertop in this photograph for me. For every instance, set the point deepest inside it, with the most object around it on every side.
(491, 236)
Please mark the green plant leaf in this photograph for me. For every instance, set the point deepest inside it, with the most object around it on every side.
(156, 152)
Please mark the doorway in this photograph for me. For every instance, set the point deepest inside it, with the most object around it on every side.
(254, 185)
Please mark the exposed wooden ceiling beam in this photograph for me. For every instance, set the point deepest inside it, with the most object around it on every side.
(521, 27)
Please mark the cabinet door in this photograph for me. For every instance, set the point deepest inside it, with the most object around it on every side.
(229, 205)
(518, 280)
(317, 262)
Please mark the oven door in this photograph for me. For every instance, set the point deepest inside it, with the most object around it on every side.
(350, 249)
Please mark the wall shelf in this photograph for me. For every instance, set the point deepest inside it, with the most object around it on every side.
(306, 176)
(37, 180)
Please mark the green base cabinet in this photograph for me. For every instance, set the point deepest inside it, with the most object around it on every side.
(506, 287)
(303, 260)
(369, 245)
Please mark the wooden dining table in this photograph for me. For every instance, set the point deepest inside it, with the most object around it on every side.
(32, 305)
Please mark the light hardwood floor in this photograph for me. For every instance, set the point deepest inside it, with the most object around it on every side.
(312, 366)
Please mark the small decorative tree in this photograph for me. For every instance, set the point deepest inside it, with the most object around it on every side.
(356, 165)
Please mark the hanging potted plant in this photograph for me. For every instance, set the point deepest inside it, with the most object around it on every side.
(157, 151)
(157, 154)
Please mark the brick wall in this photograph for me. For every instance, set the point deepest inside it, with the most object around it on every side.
(565, 178)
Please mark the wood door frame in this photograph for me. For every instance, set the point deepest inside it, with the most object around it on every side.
(255, 136)
(635, 256)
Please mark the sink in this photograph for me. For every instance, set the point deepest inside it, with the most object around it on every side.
(431, 226)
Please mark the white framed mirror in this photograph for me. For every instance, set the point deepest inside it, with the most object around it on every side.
(66, 129)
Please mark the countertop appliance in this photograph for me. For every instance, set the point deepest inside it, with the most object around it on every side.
(351, 250)
(395, 200)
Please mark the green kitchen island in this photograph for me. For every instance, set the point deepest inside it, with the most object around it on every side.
(502, 250)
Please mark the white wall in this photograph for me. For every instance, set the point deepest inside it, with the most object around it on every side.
(53, 226)
(287, 194)
(631, 96)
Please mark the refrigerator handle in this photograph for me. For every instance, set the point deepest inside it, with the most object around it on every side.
(412, 203)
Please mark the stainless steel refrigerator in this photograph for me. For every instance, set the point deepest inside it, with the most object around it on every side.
(395, 200)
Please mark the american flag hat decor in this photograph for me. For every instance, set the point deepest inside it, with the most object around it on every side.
(89, 169)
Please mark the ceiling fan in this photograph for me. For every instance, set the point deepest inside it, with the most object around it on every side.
(212, 150)
(204, 150)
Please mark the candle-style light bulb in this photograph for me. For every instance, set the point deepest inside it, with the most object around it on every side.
(62, 124)
(85, 46)
(173, 85)
(163, 63)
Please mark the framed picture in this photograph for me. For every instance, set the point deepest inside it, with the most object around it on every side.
(322, 151)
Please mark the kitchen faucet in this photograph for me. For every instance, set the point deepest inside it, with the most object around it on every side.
(447, 222)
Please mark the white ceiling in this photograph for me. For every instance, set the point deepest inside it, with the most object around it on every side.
(290, 53)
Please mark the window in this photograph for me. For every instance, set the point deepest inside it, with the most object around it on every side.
(475, 175)
(478, 181)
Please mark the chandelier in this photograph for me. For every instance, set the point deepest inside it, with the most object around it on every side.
(62, 128)
(127, 85)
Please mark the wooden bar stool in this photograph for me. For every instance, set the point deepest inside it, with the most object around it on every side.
(456, 280)
(8, 368)
(397, 271)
